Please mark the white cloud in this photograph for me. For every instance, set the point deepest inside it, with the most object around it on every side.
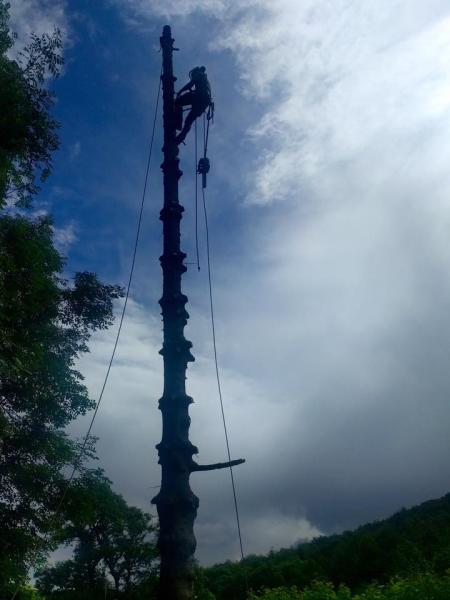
(261, 534)
(342, 83)
(129, 427)
(37, 16)
(65, 236)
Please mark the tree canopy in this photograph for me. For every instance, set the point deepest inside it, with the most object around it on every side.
(28, 131)
(45, 324)
(113, 545)
(46, 319)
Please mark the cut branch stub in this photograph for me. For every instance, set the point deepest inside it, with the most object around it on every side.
(214, 466)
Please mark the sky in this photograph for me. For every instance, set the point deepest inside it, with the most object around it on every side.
(329, 209)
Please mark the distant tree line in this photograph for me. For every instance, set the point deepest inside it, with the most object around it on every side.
(411, 542)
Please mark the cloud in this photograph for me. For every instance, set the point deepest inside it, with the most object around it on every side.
(136, 9)
(345, 83)
(342, 86)
(332, 315)
(129, 427)
(269, 532)
(65, 236)
(74, 150)
(38, 17)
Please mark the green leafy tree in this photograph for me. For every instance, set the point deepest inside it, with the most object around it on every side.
(45, 324)
(45, 320)
(114, 545)
(28, 132)
(201, 591)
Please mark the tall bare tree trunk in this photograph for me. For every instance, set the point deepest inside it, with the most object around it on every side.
(176, 503)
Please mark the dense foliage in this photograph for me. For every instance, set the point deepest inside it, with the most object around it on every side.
(411, 541)
(27, 129)
(45, 323)
(425, 586)
(45, 320)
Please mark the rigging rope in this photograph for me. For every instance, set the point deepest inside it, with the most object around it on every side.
(122, 316)
(219, 387)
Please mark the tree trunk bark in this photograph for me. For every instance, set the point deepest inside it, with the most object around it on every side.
(176, 503)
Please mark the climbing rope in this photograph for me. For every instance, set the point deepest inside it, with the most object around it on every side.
(122, 316)
(216, 362)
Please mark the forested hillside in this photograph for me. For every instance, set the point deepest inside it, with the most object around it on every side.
(412, 541)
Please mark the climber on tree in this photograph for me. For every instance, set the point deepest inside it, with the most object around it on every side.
(199, 99)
